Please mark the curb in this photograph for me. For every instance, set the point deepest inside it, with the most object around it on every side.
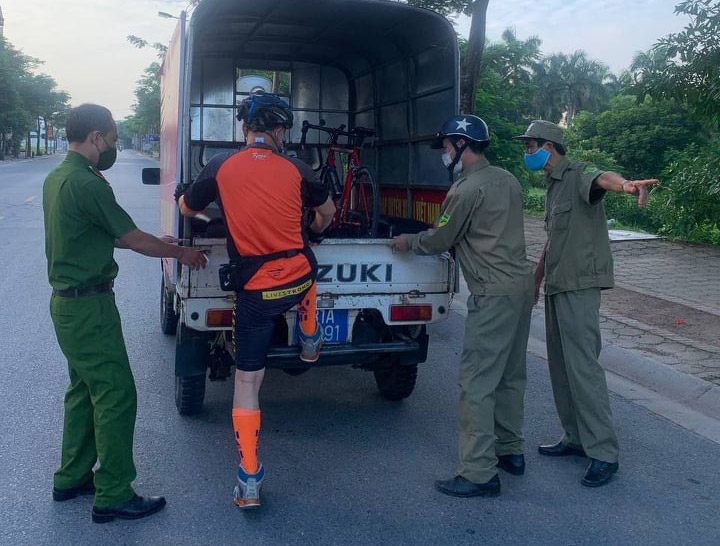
(683, 399)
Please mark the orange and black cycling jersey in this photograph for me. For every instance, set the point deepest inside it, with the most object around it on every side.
(262, 195)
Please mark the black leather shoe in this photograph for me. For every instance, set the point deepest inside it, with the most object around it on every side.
(136, 508)
(62, 495)
(513, 463)
(561, 450)
(598, 473)
(461, 487)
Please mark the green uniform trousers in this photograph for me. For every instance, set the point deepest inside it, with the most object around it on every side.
(492, 382)
(572, 325)
(101, 402)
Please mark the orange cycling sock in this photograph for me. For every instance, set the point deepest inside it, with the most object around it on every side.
(306, 311)
(247, 429)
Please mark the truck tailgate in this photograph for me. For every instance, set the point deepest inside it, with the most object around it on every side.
(346, 267)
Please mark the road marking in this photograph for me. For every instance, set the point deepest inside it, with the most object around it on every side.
(30, 199)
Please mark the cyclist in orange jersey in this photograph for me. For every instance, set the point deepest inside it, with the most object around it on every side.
(263, 195)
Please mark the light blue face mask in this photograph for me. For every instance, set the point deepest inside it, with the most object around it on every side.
(538, 160)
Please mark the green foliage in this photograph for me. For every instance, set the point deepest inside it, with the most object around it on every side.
(534, 201)
(688, 198)
(146, 111)
(505, 94)
(566, 84)
(686, 65)
(444, 7)
(638, 136)
(24, 96)
(141, 43)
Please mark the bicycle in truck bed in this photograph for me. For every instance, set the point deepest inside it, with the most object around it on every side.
(357, 198)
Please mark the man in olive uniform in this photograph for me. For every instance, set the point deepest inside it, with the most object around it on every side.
(482, 218)
(577, 264)
(83, 223)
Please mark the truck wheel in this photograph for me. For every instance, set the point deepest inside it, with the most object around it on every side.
(168, 316)
(189, 394)
(395, 381)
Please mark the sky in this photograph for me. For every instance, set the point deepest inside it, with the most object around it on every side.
(84, 43)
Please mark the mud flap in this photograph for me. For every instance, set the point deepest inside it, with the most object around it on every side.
(192, 352)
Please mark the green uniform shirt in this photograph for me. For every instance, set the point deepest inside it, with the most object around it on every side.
(578, 253)
(482, 217)
(82, 221)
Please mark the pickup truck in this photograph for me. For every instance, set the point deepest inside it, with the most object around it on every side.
(374, 305)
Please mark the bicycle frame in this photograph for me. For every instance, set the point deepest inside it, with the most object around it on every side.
(347, 203)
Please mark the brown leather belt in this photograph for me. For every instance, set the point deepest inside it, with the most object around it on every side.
(79, 292)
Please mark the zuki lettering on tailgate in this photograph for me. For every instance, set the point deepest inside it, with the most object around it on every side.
(347, 273)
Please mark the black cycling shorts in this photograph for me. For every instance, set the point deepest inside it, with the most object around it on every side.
(253, 319)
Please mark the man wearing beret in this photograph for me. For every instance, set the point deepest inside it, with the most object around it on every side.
(577, 264)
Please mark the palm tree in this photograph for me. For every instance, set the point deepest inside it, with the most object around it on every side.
(570, 83)
(585, 84)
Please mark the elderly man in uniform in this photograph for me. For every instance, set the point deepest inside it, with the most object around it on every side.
(482, 218)
(83, 224)
(577, 264)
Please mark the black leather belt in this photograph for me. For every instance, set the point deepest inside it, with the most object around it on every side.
(79, 292)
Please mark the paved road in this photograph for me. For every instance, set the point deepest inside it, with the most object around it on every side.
(345, 466)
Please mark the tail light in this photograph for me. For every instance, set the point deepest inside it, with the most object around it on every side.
(404, 313)
(219, 318)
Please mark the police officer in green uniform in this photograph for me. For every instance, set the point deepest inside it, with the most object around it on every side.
(482, 218)
(83, 223)
(577, 264)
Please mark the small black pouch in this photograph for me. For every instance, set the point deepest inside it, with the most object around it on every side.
(225, 272)
(235, 275)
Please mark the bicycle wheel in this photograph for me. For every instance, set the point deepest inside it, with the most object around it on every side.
(366, 200)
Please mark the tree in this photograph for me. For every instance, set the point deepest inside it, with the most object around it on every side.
(584, 81)
(473, 57)
(570, 83)
(686, 65)
(24, 97)
(43, 100)
(13, 120)
(505, 96)
(641, 137)
(145, 118)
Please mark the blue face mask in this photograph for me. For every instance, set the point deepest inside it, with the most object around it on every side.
(538, 160)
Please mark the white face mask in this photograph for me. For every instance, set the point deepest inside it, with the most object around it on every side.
(447, 160)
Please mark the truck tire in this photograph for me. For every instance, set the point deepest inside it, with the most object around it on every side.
(192, 356)
(168, 316)
(189, 394)
(396, 381)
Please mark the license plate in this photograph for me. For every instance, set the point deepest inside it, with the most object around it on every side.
(333, 324)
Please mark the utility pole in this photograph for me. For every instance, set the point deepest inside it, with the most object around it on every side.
(37, 142)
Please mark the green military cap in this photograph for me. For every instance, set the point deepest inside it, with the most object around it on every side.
(541, 129)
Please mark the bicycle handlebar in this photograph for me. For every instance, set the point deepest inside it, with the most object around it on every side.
(359, 133)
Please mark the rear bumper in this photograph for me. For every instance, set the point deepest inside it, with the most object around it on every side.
(362, 355)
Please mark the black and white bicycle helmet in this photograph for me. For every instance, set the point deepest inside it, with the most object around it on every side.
(264, 111)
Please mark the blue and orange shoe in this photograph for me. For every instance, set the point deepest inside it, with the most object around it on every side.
(310, 345)
(247, 491)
